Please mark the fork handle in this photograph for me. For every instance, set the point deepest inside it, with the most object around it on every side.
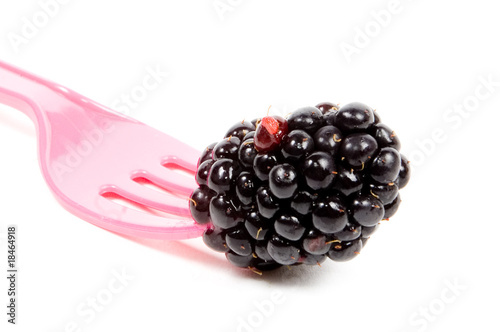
(24, 91)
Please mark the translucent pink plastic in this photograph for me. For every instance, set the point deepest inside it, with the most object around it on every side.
(88, 153)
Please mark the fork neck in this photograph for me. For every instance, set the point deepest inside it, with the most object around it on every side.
(22, 90)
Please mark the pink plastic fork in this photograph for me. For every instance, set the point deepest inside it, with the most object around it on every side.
(87, 151)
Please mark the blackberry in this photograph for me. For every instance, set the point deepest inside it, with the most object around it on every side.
(256, 225)
(302, 203)
(283, 251)
(316, 242)
(310, 259)
(354, 117)
(223, 212)
(348, 180)
(283, 181)
(386, 166)
(317, 185)
(289, 227)
(366, 210)
(227, 148)
(239, 242)
(308, 119)
(350, 232)
(345, 251)
(328, 139)
(267, 204)
(330, 215)
(202, 172)
(296, 144)
(247, 153)
(319, 170)
(246, 185)
(199, 204)
(222, 174)
(215, 238)
(263, 164)
(357, 149)
(240, 129)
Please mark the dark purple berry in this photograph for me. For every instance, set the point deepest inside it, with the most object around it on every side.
(386, 166)
(238, 260)
(267, 204)
(366, 210)
(354, 117)
(316, 242)
(350, 232)
(328, 139)
(222, 174)
(256, 121)
(308, 119)
(345, 251)
(329, 111)
(289, 227)
(283, 251)
(215, 238)
(404, 173)
(357, 149)
(283, 181)
(203, 171)
(257, 226)
(227, 149)
(302, 203)
(262, 265)
(246, 186)
(249, 135)
(199, 204)
(384, 192)
(247, 153)
(261, 251)
(223, 212)
(207, 153)
(319, 170)
(263, 164)
(348, 180)
(367, 231)
(238, 241)
(329, 215)
(327, 108)
(309, 259)
(392, 208)
(240, 129)
(385, 137)
(297, 144)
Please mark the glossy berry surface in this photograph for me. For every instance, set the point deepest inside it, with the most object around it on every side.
(297, 144)
(385, 166)
(317, 185)
(269, 133)
(227, 149)
(354, 117)
(283, 181)
(319, 170)
(308, 119)
(357, 150)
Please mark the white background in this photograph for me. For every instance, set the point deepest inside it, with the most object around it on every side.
(224, 67)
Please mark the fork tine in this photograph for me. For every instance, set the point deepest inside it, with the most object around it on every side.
(151, 198)
(186, 158)
(124, 220)
(168, 179)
